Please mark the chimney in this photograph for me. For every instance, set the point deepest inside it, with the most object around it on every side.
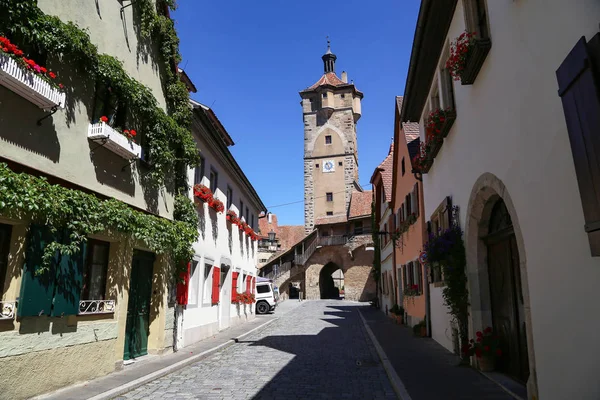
(270, 219)
(344, 77)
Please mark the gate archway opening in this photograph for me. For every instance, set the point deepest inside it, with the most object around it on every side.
(331, 281)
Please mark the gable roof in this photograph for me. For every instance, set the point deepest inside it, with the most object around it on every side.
(385, 169)
(412, 135)
(360, 204)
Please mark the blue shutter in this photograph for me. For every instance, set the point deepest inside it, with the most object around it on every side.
(37, 288)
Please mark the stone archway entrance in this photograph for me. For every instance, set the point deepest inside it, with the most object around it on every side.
(506, 294)
(327, 284)
(497, 274)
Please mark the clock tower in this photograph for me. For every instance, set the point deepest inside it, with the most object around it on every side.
(330, 109)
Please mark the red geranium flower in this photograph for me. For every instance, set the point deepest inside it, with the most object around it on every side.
(132, 132)
(479, 334)
(104, 119)
(479, 339)
(487, 330)
(52, 75)
(43, 70)
(126, 132)
(60, 85)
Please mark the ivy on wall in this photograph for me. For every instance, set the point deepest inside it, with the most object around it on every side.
(171, 145)
(33, 198)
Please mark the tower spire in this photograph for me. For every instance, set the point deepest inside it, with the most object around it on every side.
(329, 59)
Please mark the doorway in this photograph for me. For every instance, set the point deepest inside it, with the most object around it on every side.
(328, 285)
(138, 306)
(506, 294)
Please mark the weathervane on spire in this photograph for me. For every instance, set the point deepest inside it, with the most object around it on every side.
(328, 45)
(329, 58)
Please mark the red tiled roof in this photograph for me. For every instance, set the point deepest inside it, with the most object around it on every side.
(289, 235)
(328, 79)
(386, 170)
(360, 204)
(331, 219)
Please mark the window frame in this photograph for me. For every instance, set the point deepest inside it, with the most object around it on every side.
(214, 179)
(207, 280)
(87, 272)
(328, 139)
(229, 196)
(329, 196)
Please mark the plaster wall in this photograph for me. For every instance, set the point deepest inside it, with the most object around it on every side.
(61, 141)
(526, 146)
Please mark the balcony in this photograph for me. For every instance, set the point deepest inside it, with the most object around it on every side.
(87, 307)
(114, 141)
(8, 309)
(28, 85)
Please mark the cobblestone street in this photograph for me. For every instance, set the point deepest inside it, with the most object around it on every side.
(317, 350)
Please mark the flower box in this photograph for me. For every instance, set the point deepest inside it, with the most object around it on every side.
(475, 59)
(28, 85)
(114, 141)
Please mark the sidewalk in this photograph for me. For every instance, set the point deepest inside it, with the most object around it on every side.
(153, 367)
(427, 370)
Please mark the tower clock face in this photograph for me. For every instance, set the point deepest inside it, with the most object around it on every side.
(328, 166)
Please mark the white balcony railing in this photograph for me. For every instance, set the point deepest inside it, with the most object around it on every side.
(96, 307)
(28, 85)
(114, 141)
(8, 309)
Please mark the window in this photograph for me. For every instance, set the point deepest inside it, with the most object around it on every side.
(199, 171)
(328, 139)
(207, 283)
(340, 163)
(412, 275)
(329, 213)
(252, 219)
(316, 165)
(229, 196)
(324, 95)
(106, 103)
(263, 288)
(311, 99)
(577, 83)
(329, 196)
(224, 272)
(94, 270)
(263, 260)
(5, 234)
(358, 228)
(435, 98)
(194, 285)
(324, 233)
(214, 180)
(385, 236)
(446, 81)
(403, 167)
(247, 215)
(342, 95)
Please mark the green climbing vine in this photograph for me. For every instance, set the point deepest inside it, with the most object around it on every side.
(171, 145)
(33, 198)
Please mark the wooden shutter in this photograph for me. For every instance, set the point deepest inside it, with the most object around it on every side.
(416, 199)
(253, 285)
(419, 276)
(234, 285)
(248, 283)
(216, 280)
(69, 280)
(183, 285)
(403, 276)
(37, 289)
(578, 88)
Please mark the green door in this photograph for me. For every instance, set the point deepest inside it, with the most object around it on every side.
(138, 307)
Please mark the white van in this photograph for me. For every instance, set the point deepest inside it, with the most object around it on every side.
(265, 297)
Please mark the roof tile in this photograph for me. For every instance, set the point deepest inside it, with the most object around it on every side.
(360, 204)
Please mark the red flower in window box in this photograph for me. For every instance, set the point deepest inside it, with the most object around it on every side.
(203, 192)
(231, 216)
(216, 205)
(460, 50)
(104, 119)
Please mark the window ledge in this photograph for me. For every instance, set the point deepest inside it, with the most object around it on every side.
(8, 309)
(88, 307)
(481, 47)
(114, 141)
(28, 85)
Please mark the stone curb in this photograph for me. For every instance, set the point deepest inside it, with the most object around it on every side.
(129, 386)
(395, 380)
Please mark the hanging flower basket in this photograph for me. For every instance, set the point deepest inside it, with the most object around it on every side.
(203, 192)
(232, 217)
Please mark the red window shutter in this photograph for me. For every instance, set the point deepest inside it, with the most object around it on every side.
(183, 286)
(234, 279)
(215, 285)
(253, 285)
(578, 86)
(248, 283)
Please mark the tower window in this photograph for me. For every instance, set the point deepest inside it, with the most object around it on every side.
(403, 167)
(328, 139)
(329, 213)
(342, 95)
(324, 95)
(329, 196)
(316, 165)
(340, 163)
(311, 99)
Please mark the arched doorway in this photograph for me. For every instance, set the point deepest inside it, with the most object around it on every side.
(328, 286)
(506, 293)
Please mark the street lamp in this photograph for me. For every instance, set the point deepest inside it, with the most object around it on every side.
(271, 236)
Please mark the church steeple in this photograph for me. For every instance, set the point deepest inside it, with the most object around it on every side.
(329, 59)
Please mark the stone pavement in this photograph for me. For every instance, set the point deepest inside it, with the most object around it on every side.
(427, 370)
(319, 350)
(154, 366)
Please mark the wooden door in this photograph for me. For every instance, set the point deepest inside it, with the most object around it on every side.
(506, 295)
(138, 307)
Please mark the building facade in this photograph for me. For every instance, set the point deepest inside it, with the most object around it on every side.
(225, 255)
(84, 196)
(517, 160)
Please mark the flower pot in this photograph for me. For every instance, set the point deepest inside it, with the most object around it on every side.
(486, 364)
(475, 60)
(423, 331)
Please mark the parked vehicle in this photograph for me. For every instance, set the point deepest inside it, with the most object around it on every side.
(265, 297)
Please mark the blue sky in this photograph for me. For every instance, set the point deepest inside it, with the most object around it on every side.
(249, 60)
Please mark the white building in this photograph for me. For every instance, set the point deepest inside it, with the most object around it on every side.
(225, 260)
(521, 163)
